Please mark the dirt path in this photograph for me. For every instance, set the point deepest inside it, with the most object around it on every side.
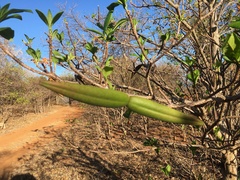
(15, 144)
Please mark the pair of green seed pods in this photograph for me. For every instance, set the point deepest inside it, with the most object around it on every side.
(113, 99)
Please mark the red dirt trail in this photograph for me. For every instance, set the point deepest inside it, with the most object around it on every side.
(21, 141)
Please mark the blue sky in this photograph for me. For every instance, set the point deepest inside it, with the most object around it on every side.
(34, 27)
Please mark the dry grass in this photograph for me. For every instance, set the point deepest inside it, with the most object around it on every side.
(96, 146)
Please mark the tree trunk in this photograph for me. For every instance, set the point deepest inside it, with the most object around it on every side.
(230, 164)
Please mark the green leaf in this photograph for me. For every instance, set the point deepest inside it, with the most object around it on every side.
(109, 59)
(235, 24)
(135, 22)
(11, 11)
(36, 54)
(166, 170)
(142, 57)
(6, 13)
(29, 39)
(189, 61)
(217, 133)
(59, 55)
(91, 48)
(56, 17)
(107, 21)
(70, 56)
(107, 71)
(60, 36)
(7, 33)
(42, 17)
(100, 26)
(49, 18)
(127, 113)
(142, 42)
(151, 142)
(55, 60)
(119, 23)
(16, 16)
(4, 9)
(31, 52)
(134, 55)
(54, 33)
(165, 37)
(193, 76)
(98, 68)
(231, 48)
(113, 5)
(95, 31)
(93, 15)
(193, 148)
(124, 3)
(110, 37)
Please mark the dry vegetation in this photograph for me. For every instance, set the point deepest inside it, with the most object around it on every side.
(102, 145)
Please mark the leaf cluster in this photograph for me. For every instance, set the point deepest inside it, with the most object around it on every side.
(6, 14)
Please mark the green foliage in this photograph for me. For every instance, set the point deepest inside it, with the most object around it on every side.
(135, 23)
(5, 14)
(217, 133)
(112, 6)
(106, 33)
(49, 19)
(124, 3)
(91, 48)
(7, 33)
(193, 76)
(141, 56)
(235, 24)
(152, 142)
(110, 26)
(231, 48)
(115, 4)
(107, 71)
(60, 57)
(36, 54)
(178, 89)
(22, 101)
(59, 36)
(189, 61)
(29, 41)
(165, 37)
(54, 56)
(193, 148)
(166, 170)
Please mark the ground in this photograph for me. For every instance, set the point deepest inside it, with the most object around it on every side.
(31, 131)
(98, 143)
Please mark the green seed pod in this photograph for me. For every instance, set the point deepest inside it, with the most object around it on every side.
(161, 112)
(89, 94)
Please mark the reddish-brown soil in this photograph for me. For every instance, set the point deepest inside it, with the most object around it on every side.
(21, 140)
(98, 143)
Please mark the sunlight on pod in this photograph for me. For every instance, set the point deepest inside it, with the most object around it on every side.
(89, 94)
(161, 112)
(113, 99)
